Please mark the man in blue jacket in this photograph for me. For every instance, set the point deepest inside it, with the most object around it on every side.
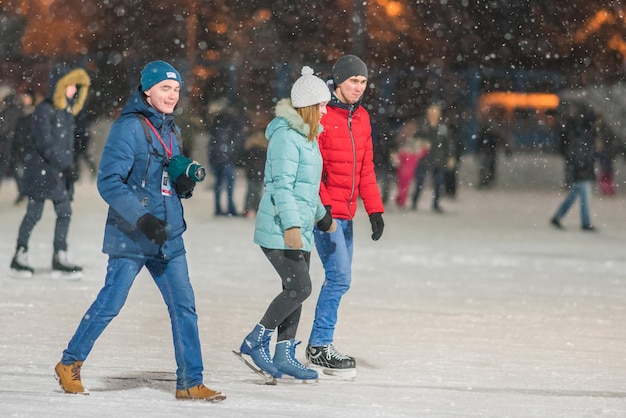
(139, 178)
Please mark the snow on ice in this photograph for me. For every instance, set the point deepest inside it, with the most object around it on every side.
(484, 311)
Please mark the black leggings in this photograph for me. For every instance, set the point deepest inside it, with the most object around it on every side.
(284, 311)
(34, 210)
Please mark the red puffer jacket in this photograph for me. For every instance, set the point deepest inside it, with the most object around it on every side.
(347, 150)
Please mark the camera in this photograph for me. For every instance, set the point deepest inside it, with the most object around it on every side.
(180, 165)
(195, 172)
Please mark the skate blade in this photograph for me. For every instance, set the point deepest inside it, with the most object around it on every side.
(269, 380)
(290, 380)
(338, 374)
(63, 275)
(20, 274)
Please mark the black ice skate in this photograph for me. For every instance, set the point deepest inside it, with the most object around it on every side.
(330, 361)
(63, 269)
(19, 264)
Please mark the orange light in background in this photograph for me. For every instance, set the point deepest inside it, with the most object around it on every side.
(263, 15)
(393, 9)
(513, 100)
(618, 44)
(204, 72)
(212, 55)
(218, 27)
(592, 25)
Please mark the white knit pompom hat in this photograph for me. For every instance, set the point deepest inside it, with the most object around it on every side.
(309, 90)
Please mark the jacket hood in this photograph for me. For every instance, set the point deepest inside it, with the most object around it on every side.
(286, 117)
(58, 80)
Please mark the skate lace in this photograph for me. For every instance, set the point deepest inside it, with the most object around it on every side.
(331, 352)
(265, 342)
(292, 355)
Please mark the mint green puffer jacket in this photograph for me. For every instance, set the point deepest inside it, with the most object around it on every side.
(293, 171)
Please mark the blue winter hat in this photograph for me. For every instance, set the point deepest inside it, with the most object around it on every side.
(156, 71)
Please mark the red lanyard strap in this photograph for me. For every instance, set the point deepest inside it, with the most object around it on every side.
(168, 151)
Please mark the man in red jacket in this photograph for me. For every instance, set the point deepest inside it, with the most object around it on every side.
(348, 171)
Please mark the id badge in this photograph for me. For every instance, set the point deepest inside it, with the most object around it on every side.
(166, 186)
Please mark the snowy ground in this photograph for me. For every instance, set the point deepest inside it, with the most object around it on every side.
(485, 311)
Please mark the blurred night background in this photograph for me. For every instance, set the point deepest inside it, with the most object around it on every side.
(459, 52)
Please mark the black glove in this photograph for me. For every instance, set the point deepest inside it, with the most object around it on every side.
(153, 228)
(376, 219)
(184, 185)
(325, 223)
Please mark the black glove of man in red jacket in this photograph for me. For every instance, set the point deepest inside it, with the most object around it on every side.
(376, 219)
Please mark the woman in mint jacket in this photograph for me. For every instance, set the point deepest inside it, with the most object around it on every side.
(289, 209)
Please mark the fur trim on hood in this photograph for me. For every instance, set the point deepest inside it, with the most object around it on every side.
(81, 79)
(284, 109)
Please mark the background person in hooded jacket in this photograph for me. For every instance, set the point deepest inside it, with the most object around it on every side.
(48, 168)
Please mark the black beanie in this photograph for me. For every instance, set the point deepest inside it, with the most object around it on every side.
(348, 66)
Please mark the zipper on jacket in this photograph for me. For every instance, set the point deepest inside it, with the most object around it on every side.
(145, 173)
(353, 186)
(162, 255)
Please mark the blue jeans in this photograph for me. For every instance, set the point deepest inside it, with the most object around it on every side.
(335, 251)
(582, 189)
(172, 278)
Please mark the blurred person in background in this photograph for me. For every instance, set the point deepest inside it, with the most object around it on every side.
(12, 111)
(577, 144)
(440, 157)
(225, 130)
(411, 150)
(49, 171)
(253, 161)
(608, 148)
(489, 140)
(451, 172)
(22, 141)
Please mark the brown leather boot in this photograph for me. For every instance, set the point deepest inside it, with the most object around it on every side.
(69, 377)
(201, 393)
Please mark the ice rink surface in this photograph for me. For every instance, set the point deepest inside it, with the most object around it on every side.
(484, 311)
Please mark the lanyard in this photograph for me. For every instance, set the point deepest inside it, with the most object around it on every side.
(168, 151)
